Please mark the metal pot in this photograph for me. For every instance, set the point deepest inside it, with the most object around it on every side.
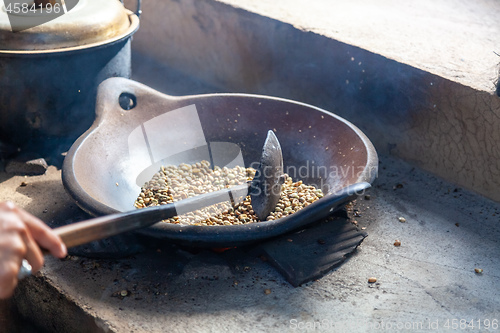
(49, 73)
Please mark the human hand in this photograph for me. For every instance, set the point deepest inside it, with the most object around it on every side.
(21, 235)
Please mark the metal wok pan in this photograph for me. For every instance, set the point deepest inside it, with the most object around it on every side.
(138, 129)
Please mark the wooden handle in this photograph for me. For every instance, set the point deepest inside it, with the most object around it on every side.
(110, 225)
(106, 226)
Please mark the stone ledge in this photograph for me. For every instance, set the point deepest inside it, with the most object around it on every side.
(459, 41)
(426, 107)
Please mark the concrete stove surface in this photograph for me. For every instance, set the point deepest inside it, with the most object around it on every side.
(428, 280)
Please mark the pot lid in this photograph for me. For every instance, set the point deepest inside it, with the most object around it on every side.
(42, 26)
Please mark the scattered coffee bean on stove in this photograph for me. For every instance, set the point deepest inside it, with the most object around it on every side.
(372, 280)
(397, 186)
(174, 183)
(397, 243)
(478, 270)
(402, 219)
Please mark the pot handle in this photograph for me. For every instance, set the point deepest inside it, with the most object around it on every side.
(138, 10)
